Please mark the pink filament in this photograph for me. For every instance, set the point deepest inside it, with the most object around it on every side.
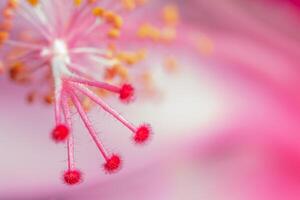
(70, 141)
(88, 124)
(98, 84)
(106, 107)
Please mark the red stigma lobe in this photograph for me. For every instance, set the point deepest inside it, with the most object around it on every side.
(126, 93)
(112, 164)
(60, 133)
(142, 134)
(72, 177)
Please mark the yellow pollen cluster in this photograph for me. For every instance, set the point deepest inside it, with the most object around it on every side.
(115, 71)
(131, 58)
(114, 33)
(16, 72)
(125, 59)
(133, 4)
(77, 2)
(48, 98)
(6, 23)
(148, 31)
(113, 19)
(33, 2)
(118, 72)
(166, 33)
(98, 12)
(129, 4)
(171, 15)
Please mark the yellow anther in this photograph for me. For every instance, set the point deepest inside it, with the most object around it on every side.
(109, 16)
(77, 2)
(148, 31)
(114, 19)
(122, 72)
(129, 4)
(16, 71)
(164, 34)
(171, 15)
(48, 98)
(3, 36)
(118, 21)
(131, 58)
(116, 70)
(102, 93)
(110, 73)
(98, 12)
(114, 33)
(33, 2)
(122, 56)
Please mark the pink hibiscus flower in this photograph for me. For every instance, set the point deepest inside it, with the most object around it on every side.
(217, 81)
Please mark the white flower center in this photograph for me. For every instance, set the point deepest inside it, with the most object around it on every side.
(60, 48)
(59, 59)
